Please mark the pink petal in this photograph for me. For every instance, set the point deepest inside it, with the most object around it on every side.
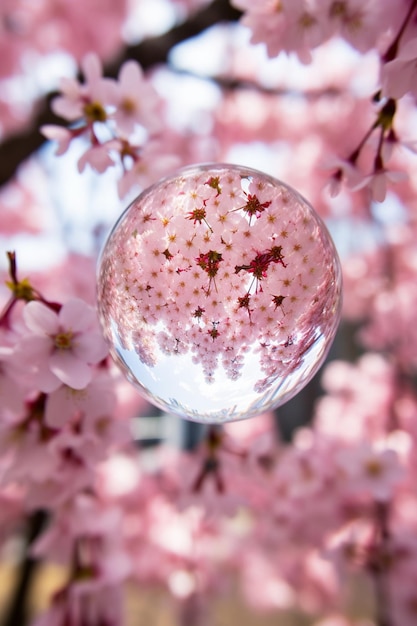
(409, 50)
(69, 369)
(31, 357)
(90, 348)
(77, 315)
(100, 398)
(59, 407)
(70, 88)
(97, 158)
(40, 319)
(32, 350)
(379, 187)
(57, 133)
(397, 78)
(11, 394)
(44, 380)
(396, 176)
(91, 66)
(67, 108)
(130, 76)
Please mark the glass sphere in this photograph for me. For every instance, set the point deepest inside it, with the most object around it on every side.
(219, 292)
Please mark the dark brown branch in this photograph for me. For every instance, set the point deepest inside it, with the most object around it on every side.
(149, 53)
(229, 84)
(16, 613)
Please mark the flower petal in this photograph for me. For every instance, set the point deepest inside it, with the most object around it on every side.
(90, 348)
(130, 75)
(91, 66)
(409, 50)
(40, 319)
(77, 315)
(11, 394)
(59, 407)
(31, 358)
(57, 133)
(69, 369)
(397, 78)
(378, 187)
(31, 350)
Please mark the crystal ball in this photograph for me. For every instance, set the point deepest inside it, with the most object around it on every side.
(219, 293)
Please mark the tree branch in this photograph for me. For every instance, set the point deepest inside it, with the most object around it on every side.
(17, 611)
(149, 53)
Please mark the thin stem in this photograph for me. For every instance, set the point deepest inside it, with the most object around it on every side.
(378, 163)
(391, 53)
(377, 565)
(355, 154)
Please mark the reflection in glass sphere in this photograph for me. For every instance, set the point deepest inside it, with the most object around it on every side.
(219, 293)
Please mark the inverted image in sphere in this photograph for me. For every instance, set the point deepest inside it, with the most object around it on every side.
(219, 293)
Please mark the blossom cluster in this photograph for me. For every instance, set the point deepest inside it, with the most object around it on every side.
(121, 120)
(205, 275)
(302, 26)
(237, 504)
(57, 426)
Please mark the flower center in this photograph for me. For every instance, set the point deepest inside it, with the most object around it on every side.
(373, 468)
(63, 340)
(128, 106)
(338, 9)
(95, 112)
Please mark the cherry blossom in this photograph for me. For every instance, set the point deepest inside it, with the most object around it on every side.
(376, 472)
(136, 101)
(150, 164)
(377, 182)
(86, 535)
(98, 156)
(343, 171)
(282, 26)
(62, 346)
(88, 99)
(302, 26)
(110, 115)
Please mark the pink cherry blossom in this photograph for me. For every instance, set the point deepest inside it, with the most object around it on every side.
(288, 26)
(87, 100)
(98, 157)
(90, 413)
(136, 101)
(359, 24)
(24, 454)
(343, 172)
(372, 471)
(152, 163)
(377, 182)
(59, 347)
